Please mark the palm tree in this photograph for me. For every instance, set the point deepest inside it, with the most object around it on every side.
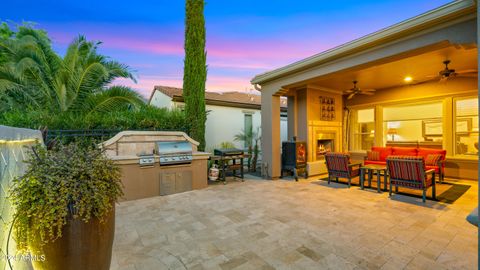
(247, 136)
(35, 77)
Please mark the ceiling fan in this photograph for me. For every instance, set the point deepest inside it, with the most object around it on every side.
(356, 90)
(448, 73)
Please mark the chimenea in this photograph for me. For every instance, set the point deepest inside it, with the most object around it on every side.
(294, 158)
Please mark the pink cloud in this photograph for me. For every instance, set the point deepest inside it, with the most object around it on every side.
(215, 83)
(228, 83)
(145, 84)
(216, 47)
(222, 63)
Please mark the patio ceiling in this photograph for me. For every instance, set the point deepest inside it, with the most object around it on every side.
(391, 74)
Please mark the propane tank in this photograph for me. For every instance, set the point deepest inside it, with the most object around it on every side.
(213, 173)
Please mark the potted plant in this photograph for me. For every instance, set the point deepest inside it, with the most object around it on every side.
(65, 207)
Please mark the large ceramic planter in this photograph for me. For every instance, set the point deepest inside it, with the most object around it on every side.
(83, 246)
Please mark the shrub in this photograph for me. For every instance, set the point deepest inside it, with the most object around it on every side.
(69, 181)
(146, 118)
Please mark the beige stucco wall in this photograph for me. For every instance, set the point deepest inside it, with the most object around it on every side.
(302, 114)
(161, 100)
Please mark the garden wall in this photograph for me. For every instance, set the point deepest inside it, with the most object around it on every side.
(14, 143)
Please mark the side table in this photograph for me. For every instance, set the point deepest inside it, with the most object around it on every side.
(371, 169)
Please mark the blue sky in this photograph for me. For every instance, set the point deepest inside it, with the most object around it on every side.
(244, 38)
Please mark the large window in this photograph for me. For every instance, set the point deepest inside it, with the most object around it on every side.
(466, 126)
(363, 129)
(421, 123)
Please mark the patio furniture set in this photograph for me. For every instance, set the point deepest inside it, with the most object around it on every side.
(406, 167)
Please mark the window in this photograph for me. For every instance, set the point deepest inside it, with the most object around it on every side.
(466, 126)
(413, 123)
(363, 129)
(248, 127)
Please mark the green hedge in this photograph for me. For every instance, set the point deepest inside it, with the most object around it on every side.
(146, 118)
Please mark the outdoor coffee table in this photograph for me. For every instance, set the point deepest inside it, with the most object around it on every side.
(371, 169)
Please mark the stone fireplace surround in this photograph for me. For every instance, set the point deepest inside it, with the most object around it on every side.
(322, 130)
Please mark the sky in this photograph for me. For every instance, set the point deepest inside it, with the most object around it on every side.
(244, 38)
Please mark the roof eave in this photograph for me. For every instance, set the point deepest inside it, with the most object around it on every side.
(451, 11)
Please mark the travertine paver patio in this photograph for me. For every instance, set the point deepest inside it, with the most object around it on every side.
(286, 225)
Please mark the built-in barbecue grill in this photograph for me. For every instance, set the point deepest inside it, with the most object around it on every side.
(157, 163)
(174, 152)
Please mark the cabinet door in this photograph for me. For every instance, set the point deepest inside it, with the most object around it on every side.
(167, 183)
(183, 181)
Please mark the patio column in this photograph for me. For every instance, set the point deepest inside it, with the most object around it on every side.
(291, 116)
(270, 135)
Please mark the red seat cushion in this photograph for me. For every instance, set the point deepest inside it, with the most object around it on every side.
(424, 152)
(376, 162)
(384, 152)
(404, 151)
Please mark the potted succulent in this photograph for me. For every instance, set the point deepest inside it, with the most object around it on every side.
(65, 207)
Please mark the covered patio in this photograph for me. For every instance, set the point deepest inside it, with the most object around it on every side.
(413, 105)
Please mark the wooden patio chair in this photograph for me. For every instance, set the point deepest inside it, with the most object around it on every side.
(410, 172)
(339, 166)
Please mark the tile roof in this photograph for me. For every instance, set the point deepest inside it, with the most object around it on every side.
(228, 97)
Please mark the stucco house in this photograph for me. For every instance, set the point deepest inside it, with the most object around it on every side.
(228, 113)
(419, 99)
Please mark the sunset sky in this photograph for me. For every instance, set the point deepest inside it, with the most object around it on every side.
(244, 38)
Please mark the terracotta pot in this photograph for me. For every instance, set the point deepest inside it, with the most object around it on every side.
(83, 246)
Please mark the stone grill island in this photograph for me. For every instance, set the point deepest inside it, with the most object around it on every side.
(145, 175)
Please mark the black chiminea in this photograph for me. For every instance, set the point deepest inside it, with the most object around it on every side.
(294, 158)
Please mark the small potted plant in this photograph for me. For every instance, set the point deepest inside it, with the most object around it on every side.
(65, 207)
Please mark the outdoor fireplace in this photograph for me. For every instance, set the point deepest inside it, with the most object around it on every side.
(325, 144)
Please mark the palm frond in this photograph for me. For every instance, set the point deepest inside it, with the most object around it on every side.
(113, 98)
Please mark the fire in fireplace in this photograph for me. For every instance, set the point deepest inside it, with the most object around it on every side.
(325, 144)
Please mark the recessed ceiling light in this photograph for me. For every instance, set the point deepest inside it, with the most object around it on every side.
(408, 79)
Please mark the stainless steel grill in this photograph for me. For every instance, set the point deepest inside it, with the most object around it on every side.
(174, 152)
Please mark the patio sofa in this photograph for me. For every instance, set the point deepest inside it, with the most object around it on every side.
(434, 158)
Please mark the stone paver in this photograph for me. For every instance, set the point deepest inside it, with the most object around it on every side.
(294, 225)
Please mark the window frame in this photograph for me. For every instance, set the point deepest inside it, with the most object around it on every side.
(469, 125)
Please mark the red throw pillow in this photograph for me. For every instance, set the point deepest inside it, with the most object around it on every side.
(432, 160)
(373, 155)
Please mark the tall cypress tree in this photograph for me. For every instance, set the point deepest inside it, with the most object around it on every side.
(195, 70)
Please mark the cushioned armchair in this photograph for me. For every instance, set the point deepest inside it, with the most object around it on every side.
(410, 172)
(339, 166)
